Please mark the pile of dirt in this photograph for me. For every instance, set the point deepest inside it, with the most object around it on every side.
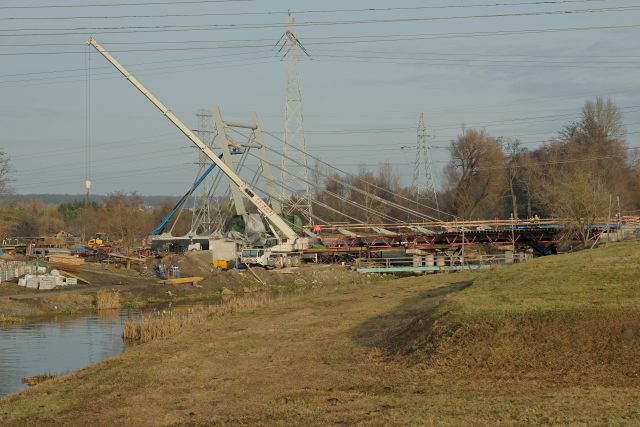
(196, 263)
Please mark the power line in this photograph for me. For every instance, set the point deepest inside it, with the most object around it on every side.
(155, 3)
(211, 27)
(297, 12)
(524, 62)
(518, 120)
(64, 79)
(353, 39)
(467, 54)
(133, 65)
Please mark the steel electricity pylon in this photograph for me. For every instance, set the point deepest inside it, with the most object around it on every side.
(423, 182)
(294, 165)
(201, 221)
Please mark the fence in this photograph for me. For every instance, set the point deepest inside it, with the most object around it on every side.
(13, 269)
(437, 262)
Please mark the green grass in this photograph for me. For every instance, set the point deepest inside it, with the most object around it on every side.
(572, 319)
(599, 278)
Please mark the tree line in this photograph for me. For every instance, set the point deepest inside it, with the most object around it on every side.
(122, 216)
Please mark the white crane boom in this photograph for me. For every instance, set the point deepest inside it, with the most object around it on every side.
(262, 207)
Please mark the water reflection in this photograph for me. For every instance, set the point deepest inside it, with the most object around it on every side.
(109, 315)
(57, 345)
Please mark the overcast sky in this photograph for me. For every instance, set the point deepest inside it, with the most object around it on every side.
(516, 68)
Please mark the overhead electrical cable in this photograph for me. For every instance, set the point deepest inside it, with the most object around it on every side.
(153, 3)
(341, 40)
(297, 12)
(211, 27)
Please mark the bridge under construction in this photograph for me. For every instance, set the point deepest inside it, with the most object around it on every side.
(287, 220)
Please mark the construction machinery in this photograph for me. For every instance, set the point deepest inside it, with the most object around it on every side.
(99, 240)
(286, 244)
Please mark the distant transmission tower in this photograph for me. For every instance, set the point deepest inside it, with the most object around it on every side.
(202, 203)
(295, 170)
(423, 182)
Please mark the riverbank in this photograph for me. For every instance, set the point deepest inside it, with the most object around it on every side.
(19, 304)
(441, 349)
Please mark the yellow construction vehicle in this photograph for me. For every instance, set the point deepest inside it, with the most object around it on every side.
(220, 264)
(101, 238)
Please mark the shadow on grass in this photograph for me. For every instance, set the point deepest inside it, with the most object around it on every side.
(395, 331)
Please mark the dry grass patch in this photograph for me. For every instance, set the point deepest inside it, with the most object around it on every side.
(37, 379)
(7, 320)
(107, 299)
(151, 326)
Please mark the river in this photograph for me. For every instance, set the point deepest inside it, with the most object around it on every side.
(57, 345)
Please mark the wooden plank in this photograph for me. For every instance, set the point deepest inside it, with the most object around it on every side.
(137, 259)
(80, 279)
(65, 259)
(182, 280)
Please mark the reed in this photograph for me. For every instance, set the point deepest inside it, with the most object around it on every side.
(107, 299)
(37, 379)
(6, 319)
(161, 324)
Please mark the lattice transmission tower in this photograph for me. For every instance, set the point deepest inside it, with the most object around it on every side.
(295, 188)
(423, 181)
(202, 218)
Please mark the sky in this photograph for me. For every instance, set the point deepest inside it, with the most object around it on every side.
(516, 68)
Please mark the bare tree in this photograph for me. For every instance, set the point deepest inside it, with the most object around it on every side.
(7, 215)
(601, 122)
(474, 176)
(578, 196)
(36, 218)
(514, 167)
(5, 170)
(125, 219)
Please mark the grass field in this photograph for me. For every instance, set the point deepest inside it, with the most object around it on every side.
(554, 341)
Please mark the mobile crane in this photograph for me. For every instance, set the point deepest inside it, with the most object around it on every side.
(287, 246)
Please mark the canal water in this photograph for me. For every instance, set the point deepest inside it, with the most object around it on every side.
(57, 345)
